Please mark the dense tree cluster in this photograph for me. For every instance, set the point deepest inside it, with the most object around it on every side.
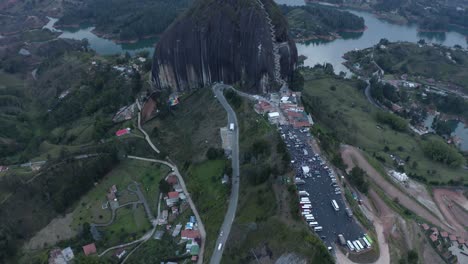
(439, 151)
(395, 122)
(33, 205)
(127, 20)
(320, 20)
(357, 177)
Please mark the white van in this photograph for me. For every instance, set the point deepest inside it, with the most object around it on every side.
(220, 246)
(313, 224)
(318, 228)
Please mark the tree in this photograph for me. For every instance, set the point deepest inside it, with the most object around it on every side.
(358, 178)
(7, 243)
(297, 83)
(164, 186)
(438, 150)
(214, 153)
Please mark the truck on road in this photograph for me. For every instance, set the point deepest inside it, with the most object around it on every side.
(231, 126)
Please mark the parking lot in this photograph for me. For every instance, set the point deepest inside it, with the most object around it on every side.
(318, 183)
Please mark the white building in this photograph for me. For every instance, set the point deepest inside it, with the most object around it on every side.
(305, 169)
(273, 117)
(402, 177)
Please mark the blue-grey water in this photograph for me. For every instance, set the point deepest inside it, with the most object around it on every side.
(101, 45)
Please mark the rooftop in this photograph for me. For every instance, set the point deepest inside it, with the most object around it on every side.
(89, 249)
(173, 195)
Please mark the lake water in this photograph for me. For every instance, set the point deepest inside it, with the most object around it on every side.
(101, 45)
(321, 51)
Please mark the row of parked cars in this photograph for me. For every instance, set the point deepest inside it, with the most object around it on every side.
(306, 211)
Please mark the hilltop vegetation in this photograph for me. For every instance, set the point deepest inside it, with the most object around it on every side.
(344, 115)
(439, 63)
(315, 21)
(430, 15)
(124, 20)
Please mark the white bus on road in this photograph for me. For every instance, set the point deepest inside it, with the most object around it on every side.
(350, 245)
(335, 205)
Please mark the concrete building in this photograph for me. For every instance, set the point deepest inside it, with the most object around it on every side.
(273, 117)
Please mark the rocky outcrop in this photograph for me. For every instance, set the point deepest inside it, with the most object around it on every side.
(230, 41)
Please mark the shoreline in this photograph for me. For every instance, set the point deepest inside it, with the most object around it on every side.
(331, 37)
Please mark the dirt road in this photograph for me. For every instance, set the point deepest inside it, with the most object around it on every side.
(382, 221)
(352, 157)
(457, 217)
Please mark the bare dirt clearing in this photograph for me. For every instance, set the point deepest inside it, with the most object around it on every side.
(452, 204)
(58, 229)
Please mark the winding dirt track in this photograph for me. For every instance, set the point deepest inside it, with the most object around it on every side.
(352, 157)
(457, 217)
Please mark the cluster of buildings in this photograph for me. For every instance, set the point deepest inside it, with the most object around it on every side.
(284, 108)
(111, 198)
(189, 232)
(124, 113)
(452, 248)
(59, 256)
(3, 168)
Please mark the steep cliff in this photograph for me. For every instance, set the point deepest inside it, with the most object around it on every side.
(233, 41)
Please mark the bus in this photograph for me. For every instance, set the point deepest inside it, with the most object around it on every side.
(363, 244)
(366, 241)
(350, 245)
(360, 245)
(368, 238)
(305, 202)
(306, 206)
(318, 228)
(335, 205)
(356, 246)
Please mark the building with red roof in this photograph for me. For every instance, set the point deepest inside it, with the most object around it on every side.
(461, 241)
(89, 249)
(453, 238)
(299, 124)
(433, 237)
(189, 234)
(172, 179)
(172, 198)
(435, 230)
(444, 234)
(263, 107)
(425, 227)
(122, 132)
(173, 195)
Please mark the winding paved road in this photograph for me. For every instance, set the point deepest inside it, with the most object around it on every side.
(201, 227)
(231, 212)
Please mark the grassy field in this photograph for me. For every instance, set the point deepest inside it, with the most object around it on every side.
(343, 109)
(190, 128)
(90, 210)
(130, 224)
(212, 204)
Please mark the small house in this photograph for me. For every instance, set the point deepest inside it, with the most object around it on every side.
(89, 249)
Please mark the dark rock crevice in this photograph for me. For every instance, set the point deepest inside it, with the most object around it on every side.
(226, 41)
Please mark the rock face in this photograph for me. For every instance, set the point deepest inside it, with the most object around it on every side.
(230, 41)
